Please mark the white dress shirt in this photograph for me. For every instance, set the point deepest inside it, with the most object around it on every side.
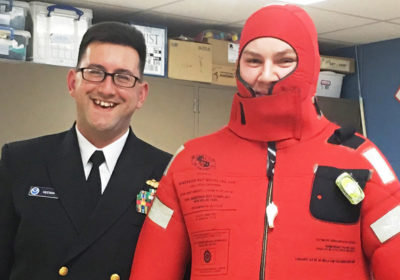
(111, 154)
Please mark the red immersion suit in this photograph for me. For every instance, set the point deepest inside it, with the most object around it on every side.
(211, 205)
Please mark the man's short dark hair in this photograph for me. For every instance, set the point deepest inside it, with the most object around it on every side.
(115, 33)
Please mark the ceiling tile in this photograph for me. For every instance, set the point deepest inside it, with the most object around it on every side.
(222, 10)
(374, 9)
(330, 21)
(326, 45)
(178, 25)
(365, 34)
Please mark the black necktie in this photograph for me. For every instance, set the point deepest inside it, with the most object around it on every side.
(94, 181)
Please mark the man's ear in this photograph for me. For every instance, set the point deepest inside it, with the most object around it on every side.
(142, 95)
(71, 79)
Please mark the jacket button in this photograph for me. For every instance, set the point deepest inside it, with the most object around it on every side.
(115, 276)
(63, 271)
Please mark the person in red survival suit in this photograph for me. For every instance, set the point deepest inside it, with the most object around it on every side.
(281, 192)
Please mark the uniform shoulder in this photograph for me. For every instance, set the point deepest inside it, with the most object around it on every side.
(154, 151)
(31, 152)
(46, 142)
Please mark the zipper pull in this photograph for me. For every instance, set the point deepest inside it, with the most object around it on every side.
(272, 212)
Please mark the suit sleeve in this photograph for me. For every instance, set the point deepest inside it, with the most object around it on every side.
(163, 248)
(8, 217)
(381, 218)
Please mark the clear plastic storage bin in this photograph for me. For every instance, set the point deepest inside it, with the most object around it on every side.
(13, 13)
(329, 84)
(57, 31)
(13, 43)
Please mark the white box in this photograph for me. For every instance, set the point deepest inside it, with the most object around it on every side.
(156, 49)
(329, 84)
(57, 31)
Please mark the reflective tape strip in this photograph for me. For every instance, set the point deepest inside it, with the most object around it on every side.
(160, 213)
(380, 165)
(180, 149)
(388, 225)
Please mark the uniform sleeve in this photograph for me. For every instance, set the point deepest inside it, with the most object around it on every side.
(8, 218)
(163, 249)
(381, 218)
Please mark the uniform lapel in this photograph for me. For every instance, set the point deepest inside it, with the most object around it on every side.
(68, 178)
(126, 181)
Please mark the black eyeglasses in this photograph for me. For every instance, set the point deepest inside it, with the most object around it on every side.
(119, 79)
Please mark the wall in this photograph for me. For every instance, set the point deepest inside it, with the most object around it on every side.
(379, 73)
(35, 101)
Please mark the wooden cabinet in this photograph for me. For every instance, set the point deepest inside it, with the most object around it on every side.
(177, 111)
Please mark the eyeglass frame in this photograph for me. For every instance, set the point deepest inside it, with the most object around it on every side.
(112, 75)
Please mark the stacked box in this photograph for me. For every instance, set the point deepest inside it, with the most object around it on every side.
(13, 14)
(13, 43)
(190, 61)
(57, 31)
(224, 56)
(13, 38)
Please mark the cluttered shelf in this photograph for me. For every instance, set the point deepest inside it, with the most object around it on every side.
(47, 33)
(50, 34)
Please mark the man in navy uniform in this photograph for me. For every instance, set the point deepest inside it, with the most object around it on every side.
(68, 200)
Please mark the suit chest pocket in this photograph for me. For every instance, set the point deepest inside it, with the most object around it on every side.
(327, 202)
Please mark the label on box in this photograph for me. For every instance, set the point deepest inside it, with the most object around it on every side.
(205, 48)
(338, 64)
(224, 75)
(233, 52)
(60, 39)
(155, 45)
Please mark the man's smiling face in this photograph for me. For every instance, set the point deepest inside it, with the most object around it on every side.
(104, 108)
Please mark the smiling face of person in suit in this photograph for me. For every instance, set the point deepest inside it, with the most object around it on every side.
(104, 109)
(266, 61)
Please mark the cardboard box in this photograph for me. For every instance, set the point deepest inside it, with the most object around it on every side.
(329, 84)
(224, 75)
(189, 61)
(156, 49)
(337, 64)
(223, 52)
